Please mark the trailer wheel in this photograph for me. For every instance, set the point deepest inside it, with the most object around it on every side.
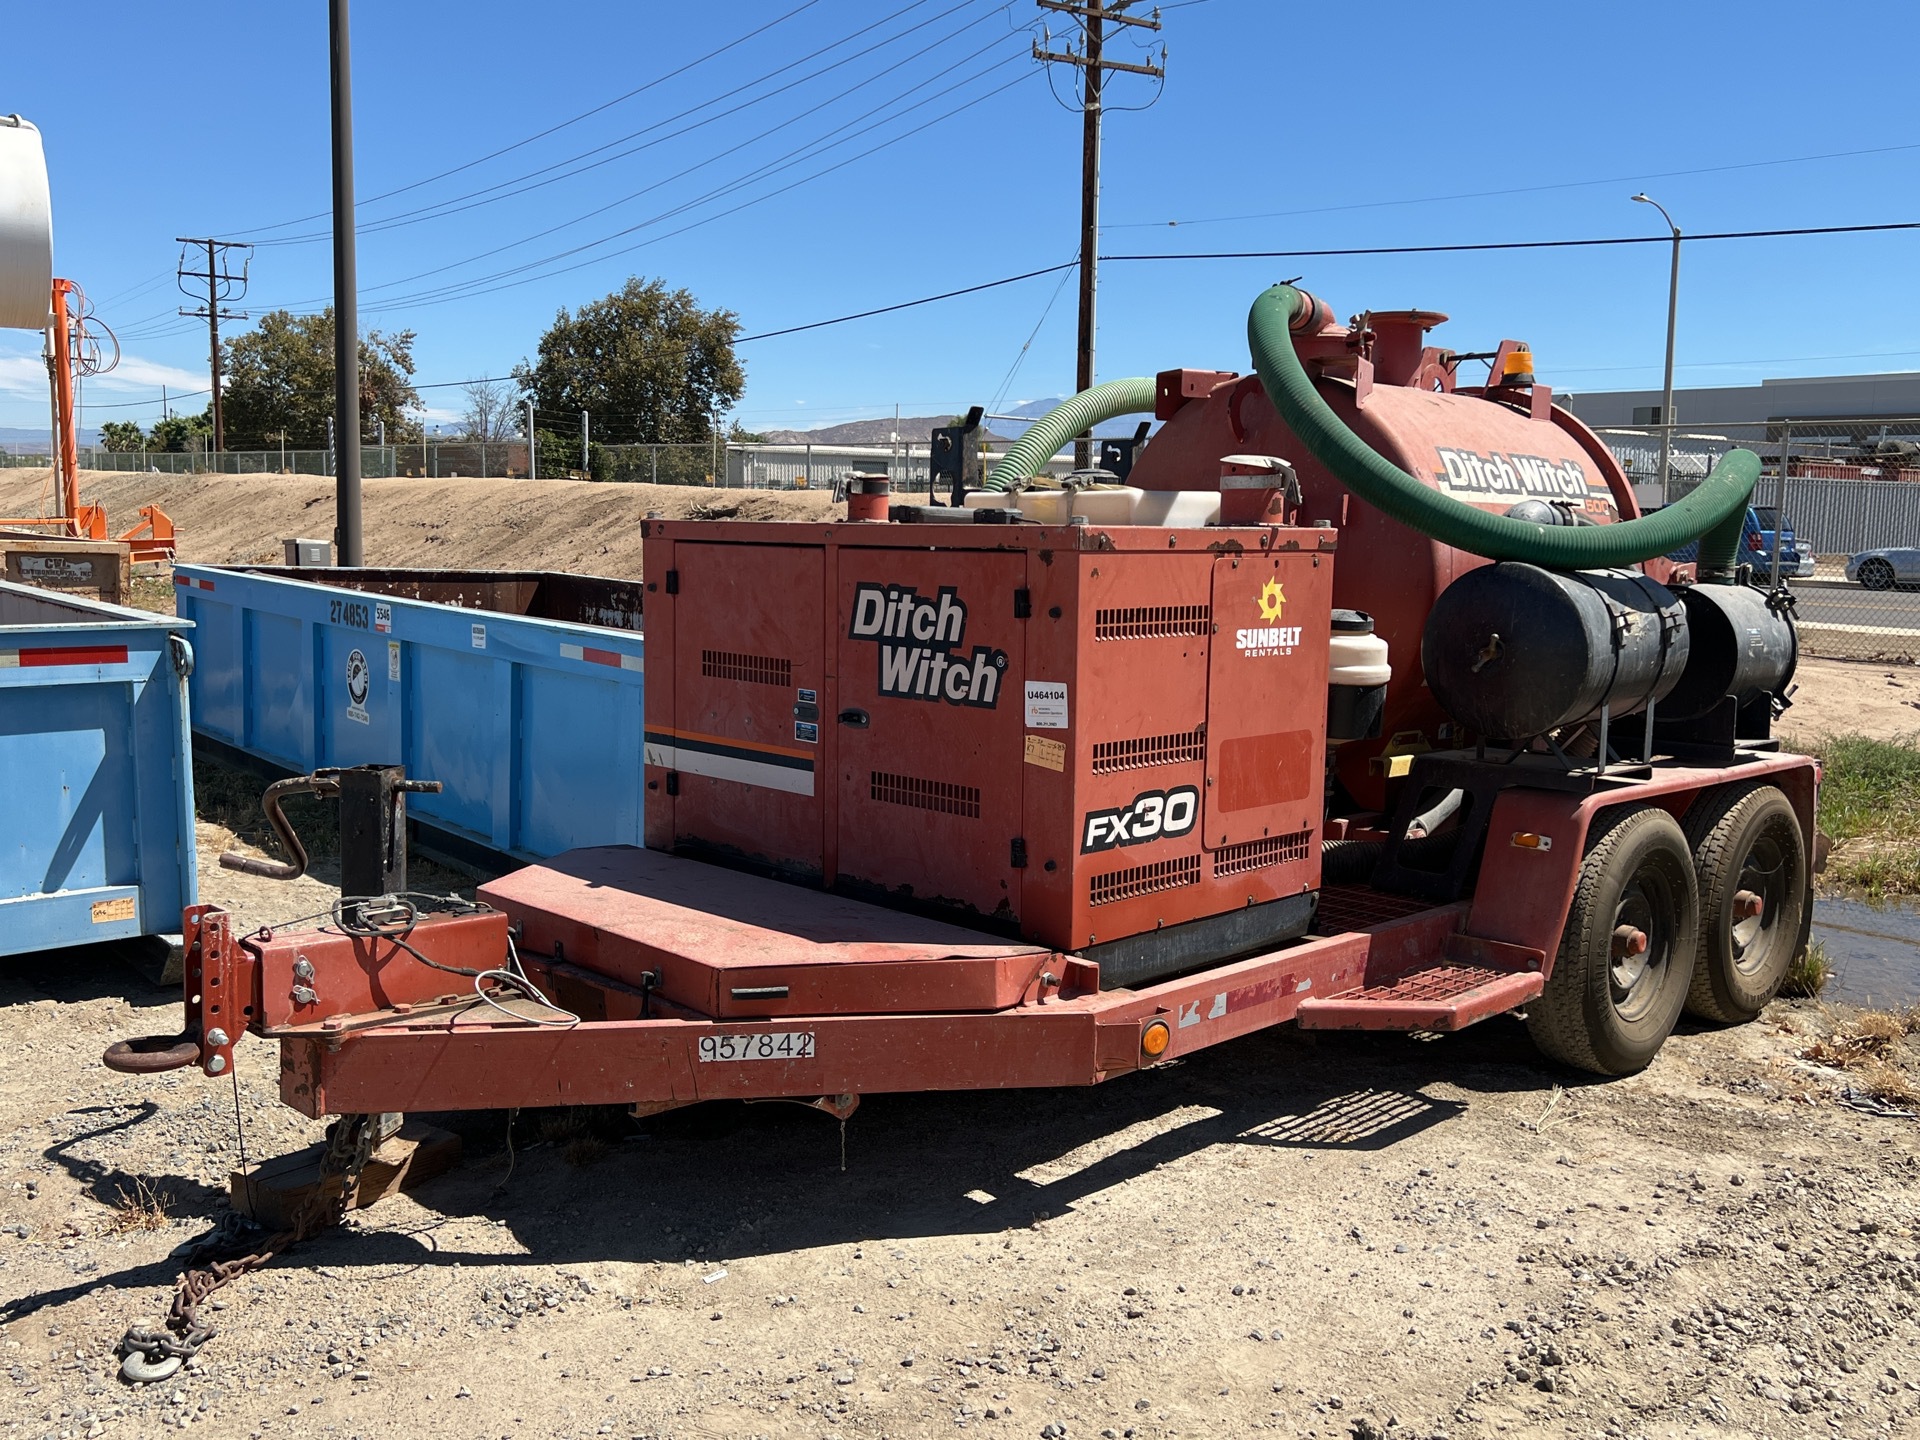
(1751, 860)
(1626, 955)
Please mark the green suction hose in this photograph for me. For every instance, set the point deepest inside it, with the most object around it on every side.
(1029, 454)
(1714, 512)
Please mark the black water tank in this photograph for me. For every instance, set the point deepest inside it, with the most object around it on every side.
(1736, 646)
(1512, 650)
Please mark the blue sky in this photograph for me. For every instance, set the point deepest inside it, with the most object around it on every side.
(1388, 124)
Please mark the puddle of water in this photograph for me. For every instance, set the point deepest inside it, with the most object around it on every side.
(1875, 950)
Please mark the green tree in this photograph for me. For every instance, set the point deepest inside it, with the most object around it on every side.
(122, 435)
(648, 359)
(280, 377)
(179, 433)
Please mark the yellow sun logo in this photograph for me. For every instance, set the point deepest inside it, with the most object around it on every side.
(1273, 600)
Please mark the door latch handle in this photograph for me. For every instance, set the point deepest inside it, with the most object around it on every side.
(856, 718)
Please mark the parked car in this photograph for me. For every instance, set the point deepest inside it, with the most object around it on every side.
(1796, 559)
(1885, 568)
(1757, 533)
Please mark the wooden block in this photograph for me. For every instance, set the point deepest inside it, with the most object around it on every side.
(272, 1192)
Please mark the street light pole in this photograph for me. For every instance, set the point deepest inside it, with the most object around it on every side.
(1673, 311)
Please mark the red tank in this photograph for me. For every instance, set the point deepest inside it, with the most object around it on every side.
(1491, 447)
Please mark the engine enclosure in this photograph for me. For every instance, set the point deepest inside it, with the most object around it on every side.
(1108, 740)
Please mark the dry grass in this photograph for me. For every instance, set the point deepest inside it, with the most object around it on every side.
(144, 1209)
(1809, 973)
(1870, 1046)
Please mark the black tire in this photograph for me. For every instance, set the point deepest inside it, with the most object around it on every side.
(1877, 575)
(1609, 1013)
(1746, 838)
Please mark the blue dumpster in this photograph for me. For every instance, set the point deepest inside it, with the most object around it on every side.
(519, 692)
(96, 771)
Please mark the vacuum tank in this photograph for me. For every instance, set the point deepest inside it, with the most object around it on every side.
(1491, 447)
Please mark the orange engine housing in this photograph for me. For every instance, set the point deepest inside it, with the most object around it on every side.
(1109, 741)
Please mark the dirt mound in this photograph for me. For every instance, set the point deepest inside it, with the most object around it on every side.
(447, 524)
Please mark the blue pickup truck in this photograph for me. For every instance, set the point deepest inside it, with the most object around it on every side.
(1757, 532)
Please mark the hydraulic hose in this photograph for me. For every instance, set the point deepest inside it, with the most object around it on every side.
(1028, 455)
(1713, 513)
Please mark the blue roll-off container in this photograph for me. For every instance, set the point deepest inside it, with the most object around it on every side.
(520, 692)
(96, 771)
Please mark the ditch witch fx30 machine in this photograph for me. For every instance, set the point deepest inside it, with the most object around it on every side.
(1060, 782)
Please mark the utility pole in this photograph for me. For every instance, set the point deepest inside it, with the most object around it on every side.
(222, 286)
(346, 302)
(1094, 16)
(533, 460)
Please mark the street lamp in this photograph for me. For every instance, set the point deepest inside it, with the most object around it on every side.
(1673, 308)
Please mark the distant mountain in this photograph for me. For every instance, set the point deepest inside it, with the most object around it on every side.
(19, 440)
(913, 428)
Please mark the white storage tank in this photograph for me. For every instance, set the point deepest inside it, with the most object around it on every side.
(26, 227)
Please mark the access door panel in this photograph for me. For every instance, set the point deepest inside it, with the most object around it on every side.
(749, 671)
(928, 729)
(1267, 700)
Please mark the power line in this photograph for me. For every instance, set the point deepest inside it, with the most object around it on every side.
(1515, 190)
(796, 156)
(487, 195)
(481, 285)
(553, 129)
(1374, 250)
(1515, 244)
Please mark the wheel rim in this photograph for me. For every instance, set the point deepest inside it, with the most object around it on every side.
(1763, 877)
(1877, 575)
(1642, 947)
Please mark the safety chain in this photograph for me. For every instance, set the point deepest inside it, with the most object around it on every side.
(155, 1355)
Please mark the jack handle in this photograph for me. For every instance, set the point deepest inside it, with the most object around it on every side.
(325, 784)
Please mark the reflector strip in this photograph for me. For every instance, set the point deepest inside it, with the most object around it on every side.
(63, 655)
(192, 584)
(602, 657)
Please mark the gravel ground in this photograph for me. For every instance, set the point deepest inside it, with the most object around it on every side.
(1307, 1236)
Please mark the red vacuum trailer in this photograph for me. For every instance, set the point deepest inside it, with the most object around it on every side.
(1051, 784)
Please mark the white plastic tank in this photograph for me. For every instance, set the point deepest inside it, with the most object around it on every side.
(26, 228)
(1358, 670)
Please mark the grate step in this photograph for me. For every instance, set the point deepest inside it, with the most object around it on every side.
(1441, 997)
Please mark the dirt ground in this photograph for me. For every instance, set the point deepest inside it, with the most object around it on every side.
(1853, 696)
(1334, 1236)
(480, 524)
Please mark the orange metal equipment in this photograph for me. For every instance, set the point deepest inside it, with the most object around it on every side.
(156, 536)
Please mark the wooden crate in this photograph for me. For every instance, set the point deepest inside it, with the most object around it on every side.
(100, 568)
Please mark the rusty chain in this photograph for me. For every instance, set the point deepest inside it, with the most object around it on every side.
(151, 1355)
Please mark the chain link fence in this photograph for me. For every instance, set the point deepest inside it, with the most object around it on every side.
(1836, 515)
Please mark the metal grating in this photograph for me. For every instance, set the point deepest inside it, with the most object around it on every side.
(753, 669)
(940, 796)
(1442, 982)
(1112, 755)
(1152, 622)
(1256, 854)
(1143, 880)
(1360, 907)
